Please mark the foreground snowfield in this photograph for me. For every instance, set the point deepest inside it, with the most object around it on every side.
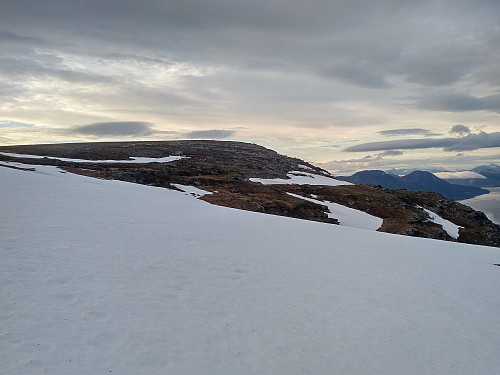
(100, 277)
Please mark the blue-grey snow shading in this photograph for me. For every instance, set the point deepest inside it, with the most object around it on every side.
(135, 159)
(104, 276)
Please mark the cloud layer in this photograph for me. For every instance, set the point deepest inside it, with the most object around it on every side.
(114, 129)
(466, 143)
(457, 102)
(210, 134)
(413, 131)
(293, 75)
(459, 175)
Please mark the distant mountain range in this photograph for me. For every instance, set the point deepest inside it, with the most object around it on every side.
(417, 180)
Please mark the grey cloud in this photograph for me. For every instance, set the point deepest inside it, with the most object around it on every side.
(467, 143)
(399, 144)
(368, 158)
(413, 131)
(436, 75)
(379, 156)
(114, 129)
(134, 58)
(210, 134)
(475, 141)
(349, 73)
(12, 38)
(460, 103)
(460, 129)
(441, 65)
(315, 34)
(391, 153)
(30, 67)
(382, 155)
(14, 124)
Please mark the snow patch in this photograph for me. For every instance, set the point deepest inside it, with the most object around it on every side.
(448, 226)
(302, 178)
(302, 166)
(347, 216)
(138, 159)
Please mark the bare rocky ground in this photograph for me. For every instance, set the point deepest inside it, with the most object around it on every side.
(224, 168)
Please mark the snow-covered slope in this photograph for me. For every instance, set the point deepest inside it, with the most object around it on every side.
(100, 277)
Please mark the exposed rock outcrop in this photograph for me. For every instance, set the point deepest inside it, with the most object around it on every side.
(224, 168)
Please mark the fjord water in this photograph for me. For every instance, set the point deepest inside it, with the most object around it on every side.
(487, 203)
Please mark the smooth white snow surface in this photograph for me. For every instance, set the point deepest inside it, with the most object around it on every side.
(138, 159)
(347, 216)
(108, 277)
(448, 226)
(302, 178)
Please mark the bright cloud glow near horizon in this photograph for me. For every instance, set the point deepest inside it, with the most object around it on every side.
(347, 85)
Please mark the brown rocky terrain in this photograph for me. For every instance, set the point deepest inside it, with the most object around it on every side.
(402, 213)
(224, 168)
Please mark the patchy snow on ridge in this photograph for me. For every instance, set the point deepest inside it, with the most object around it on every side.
(448, 226)
(302, 178)
(347, 216)
(305, 167)
(137, 159)
(109, 277)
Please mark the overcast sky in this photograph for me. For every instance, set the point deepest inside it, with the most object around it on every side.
(358, 84)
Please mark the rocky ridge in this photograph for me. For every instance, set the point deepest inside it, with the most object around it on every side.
(224, 168)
